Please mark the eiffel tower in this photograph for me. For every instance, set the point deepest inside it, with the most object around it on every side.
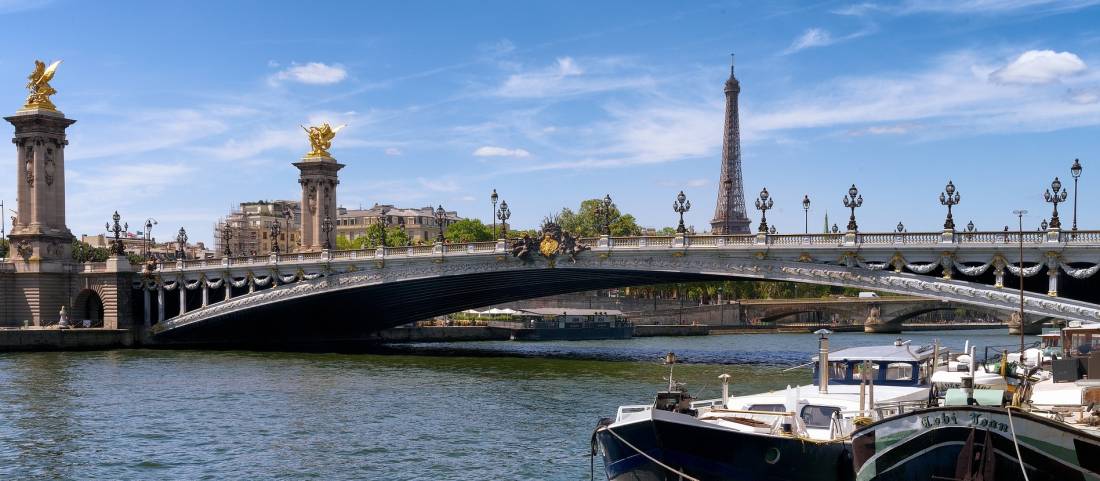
(729, 215)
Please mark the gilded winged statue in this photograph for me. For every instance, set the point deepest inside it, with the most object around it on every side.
(39, 85)
(320, 139)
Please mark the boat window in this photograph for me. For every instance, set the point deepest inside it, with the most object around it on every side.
(899, 371)
(858, 368)
(773, 408)
(838, 370)
(818, 416)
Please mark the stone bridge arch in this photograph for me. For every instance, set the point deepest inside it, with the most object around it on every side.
(88, 305)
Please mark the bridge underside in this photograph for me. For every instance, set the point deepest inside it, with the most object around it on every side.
(353, 314)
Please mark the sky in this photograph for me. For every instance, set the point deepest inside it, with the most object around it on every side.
(185, 109)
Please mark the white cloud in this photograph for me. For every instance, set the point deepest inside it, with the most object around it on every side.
(566, 77)
(1039, 67)
(992, 6)
(492, 151)
(160, 129)
(438, 185)
(393, 151)
(1084, 97)
(313, 73)
(882, 130)
(814, 37)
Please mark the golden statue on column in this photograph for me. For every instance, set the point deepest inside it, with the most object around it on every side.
(320, 139)
(39, 85)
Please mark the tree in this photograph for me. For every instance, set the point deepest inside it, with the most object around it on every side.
(395, 236)
(671, 231)
(82, 252)
(588, 220)
(468, 230)
(4, 247)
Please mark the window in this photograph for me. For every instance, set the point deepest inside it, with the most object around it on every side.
(858, 368)
(838, 370)
(899, 371)
(772, 408)
(818, 416)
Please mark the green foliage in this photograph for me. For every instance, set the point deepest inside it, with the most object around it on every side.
(395, 236)
(82, 252)
(587, 221)
(468, 230)
(707, 292)
(4, 248)
(667, 231)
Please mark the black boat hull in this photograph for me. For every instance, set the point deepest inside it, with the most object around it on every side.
(710, 452)
(951, 443)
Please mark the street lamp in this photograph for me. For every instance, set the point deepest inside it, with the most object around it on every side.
(763, 203)
(147, 236)
(504, 214)
(326, 227)
(970, 226)
(287, 216)
(806, 210)
(1043, 225)
(606, 204)
(900, 227)
(1056, 198)
(116, 246)
(853, 200)
(181, 241)
(835, 229)
(440, 216)
(949, 198)
(681, 205)
(1076, 172)
(227, 235)
(275, 231)
(493, 198)
(384, 219)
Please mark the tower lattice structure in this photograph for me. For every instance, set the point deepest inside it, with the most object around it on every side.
(729, 214)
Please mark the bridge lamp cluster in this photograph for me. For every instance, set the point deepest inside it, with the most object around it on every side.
(763, 203)
(680, 206)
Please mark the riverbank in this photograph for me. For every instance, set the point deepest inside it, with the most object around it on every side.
(64, 339)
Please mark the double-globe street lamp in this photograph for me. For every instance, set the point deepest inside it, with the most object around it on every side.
(326, 228)
(763, 203)
(1058, 196)
(851, 201)
(949, 197)
(117, 230)
(1075, 171)
(147, 237)
(603, 211)
(493, 198)
(504, 214)
(680, 206)
(440, 217)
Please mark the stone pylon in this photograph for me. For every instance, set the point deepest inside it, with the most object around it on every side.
(318, 178)
(41, 243)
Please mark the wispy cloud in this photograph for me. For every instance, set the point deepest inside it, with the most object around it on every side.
(987, 7)
(313, 73)
(813, 37)
(566, 77)
(493, 151)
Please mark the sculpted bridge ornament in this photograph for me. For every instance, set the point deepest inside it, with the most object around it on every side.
(863, 261)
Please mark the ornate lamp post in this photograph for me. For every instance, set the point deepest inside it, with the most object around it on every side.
(1020, 215)
(835, 229)
(853, 200)
(970, 226)
(763, 203)
(949, 198)
(900, 227)
(181, 242)
(147, 236)
(504, 214)
(606, 204)
(287, 216)
(326, 227)
(117, 230)
(681, 205)
(1043, 225)
(275, 231)
(1076, 172)
(1056, 198)
(440, 216)
(227, 235)
(384, 220)
(493, 198)
(806, 210)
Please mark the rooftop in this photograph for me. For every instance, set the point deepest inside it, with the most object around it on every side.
(903, 353)
(551, 311)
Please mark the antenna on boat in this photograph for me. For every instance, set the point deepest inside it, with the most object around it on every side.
(670, 359)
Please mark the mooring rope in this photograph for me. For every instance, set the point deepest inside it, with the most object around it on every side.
(1019, 458)
(651, 458)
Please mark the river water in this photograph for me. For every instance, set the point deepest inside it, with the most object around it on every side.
(469, 411)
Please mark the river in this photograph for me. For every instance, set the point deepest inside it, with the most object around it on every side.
(468, 411)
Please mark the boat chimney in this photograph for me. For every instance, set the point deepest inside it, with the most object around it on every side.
(823, 360)
(725, 388)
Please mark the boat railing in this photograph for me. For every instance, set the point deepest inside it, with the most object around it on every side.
(844, 422)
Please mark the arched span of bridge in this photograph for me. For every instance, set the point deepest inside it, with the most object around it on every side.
(361, 297)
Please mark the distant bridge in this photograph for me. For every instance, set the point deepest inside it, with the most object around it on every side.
(340, 293)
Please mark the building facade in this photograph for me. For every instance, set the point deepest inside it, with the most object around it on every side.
(250, 232)
(419, 224)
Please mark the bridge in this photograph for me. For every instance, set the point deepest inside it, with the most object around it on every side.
(345, 292)
(325, 294)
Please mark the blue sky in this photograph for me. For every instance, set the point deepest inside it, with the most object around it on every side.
(185, 109)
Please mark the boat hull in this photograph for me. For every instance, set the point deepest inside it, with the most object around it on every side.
(710, 452)
(951, 442)
(572, 334)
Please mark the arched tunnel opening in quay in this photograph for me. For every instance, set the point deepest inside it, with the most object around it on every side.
(353, 314)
